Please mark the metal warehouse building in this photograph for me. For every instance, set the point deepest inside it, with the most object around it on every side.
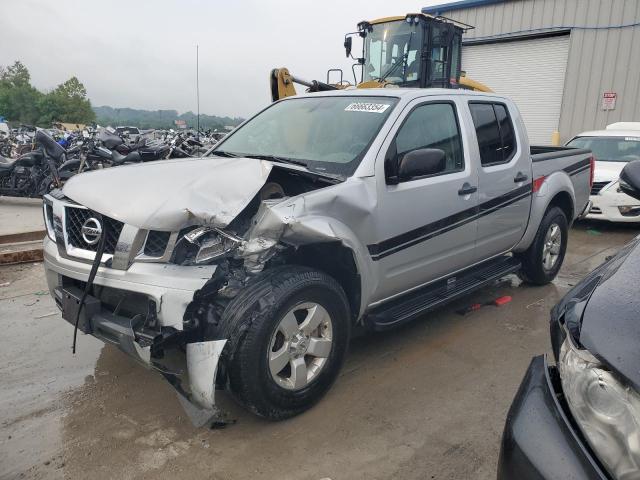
(570, 65)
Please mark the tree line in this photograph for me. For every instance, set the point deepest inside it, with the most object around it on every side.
(21, 102)
(159, 118)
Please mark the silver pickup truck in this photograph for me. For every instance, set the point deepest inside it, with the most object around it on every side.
(248, 270)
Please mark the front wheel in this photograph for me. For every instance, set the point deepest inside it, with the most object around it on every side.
(541, 262)
(287, 334)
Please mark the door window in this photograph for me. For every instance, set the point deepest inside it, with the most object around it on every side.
(507, 134)
(494, 130)
(433, 125)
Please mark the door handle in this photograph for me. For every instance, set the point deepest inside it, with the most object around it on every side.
(467, 189)
(520, 177)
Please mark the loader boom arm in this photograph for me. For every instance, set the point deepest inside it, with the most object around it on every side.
(282, 84)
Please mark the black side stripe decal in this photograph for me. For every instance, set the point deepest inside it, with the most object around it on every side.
(578, 167)
(444, 225)
(431, 230)
(580, 170)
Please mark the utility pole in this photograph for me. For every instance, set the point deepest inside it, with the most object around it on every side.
(198, 89)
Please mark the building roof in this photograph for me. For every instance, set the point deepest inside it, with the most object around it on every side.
(460, 4)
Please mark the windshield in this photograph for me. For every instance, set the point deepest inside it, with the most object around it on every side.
(327, 134)
(385, 49)
(610, 149)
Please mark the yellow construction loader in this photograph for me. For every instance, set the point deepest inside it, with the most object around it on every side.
(415, 50)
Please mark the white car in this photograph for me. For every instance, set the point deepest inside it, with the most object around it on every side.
(613, 148)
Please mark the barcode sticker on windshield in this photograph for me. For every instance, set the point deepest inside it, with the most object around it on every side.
(632, 139)
(366, 107)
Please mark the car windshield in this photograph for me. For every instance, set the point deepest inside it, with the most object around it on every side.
(326, 134)
(610, 149)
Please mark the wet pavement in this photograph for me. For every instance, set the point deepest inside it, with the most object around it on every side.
(424, 401)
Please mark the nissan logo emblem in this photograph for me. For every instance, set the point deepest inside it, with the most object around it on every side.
(91, 230)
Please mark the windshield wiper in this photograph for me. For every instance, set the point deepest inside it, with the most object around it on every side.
(275, 158)
(221, 153)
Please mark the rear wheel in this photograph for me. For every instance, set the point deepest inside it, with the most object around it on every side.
(543, 259)
(287, 338)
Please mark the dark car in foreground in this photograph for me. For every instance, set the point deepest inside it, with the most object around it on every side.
(580, 418)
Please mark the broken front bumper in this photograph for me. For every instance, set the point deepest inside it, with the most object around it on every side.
(539, 442)
(166, 290)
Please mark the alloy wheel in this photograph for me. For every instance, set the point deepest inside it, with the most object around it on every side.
(300, 346)
(552, 247)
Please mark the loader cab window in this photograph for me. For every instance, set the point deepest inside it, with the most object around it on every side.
(439, 53)
(444, 53)
(392, 52)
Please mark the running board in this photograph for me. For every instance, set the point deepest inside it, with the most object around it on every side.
(409, 306)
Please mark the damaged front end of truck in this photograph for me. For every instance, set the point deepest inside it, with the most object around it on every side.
(181, 250)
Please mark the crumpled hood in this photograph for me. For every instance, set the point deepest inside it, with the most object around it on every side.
(171, 194)
(607, 171)
(611, 320)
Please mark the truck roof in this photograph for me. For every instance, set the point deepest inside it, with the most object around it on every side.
(405, 93)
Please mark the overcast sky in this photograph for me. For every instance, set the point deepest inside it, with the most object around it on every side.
(141, 54)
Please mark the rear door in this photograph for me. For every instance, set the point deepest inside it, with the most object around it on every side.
(504, 178)
(425, 226)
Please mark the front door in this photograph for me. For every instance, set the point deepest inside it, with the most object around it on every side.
(425, 227)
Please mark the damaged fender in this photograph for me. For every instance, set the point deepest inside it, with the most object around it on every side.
(301, 221)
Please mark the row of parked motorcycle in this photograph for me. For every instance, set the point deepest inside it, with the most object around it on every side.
(45, 159)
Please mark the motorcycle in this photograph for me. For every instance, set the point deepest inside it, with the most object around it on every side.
(147, 151)
(34, 173)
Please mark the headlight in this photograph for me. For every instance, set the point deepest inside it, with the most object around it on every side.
(606, 410)
(47, 207)
(203, 244)
(629, 210)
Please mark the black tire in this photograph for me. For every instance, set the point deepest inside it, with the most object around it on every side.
(250, 323)
(533, 268)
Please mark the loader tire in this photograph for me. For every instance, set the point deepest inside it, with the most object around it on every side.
(288, 333)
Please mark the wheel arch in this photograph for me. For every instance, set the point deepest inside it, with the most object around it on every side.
(336, 260)
(563, 201)
(557, 190)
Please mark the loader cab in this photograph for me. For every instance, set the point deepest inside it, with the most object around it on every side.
(416, 50)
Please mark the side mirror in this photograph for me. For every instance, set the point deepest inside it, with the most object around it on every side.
(630, 179)
(348, 41)
(420, 163)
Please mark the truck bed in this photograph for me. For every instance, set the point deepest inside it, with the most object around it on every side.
(568, 162)
(541, 153)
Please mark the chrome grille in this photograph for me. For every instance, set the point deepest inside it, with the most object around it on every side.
(156, 243)
(597, 186)
(75, 218)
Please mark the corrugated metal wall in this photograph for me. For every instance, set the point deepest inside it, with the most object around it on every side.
(599, 60)
(541, 59)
